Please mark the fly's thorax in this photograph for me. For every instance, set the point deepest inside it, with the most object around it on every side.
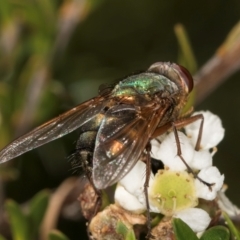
(146, 85)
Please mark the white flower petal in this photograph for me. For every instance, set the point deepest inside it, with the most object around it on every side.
(127, 200)
(196, 218)
(167, 152)
(210, 175)
(153, 209)
(213, 132)
(134, 181)
(155, 147)
(201, 159)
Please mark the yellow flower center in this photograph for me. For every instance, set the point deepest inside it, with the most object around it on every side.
(172, 192)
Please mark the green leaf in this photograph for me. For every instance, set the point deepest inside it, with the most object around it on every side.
(2, 237)
(38, 206)
(105, 200)
(127, 233)
(155, 221)
(186, 57)
(130, 235)
(18, 222)
(182, 230)
(216, 233)
(57, 235)
(231, 227)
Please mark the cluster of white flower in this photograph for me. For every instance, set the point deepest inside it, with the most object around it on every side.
(174, 191)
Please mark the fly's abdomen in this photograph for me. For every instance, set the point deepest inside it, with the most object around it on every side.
(83, 155)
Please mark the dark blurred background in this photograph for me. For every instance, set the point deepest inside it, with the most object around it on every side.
(55, 54)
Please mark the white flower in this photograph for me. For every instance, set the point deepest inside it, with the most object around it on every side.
(174, 191)
(167, 151)
(134, 181)
(201, 159)
(212, 134)
(196, 218)
(128, 201)
(210, 175)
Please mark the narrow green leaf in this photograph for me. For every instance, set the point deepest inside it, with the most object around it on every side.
(18, 222)
(38, 206)
(231, 40)
(182, 230)
(216, 233)
(127, 233)
(130, 235)
(186, 57)
(105, 200)
(57, 235)
(231, 227)
(155, 221)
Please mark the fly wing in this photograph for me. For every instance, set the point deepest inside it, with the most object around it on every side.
(121, 139)
(53, 129)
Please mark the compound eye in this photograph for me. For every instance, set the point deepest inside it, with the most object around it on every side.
(186, 76)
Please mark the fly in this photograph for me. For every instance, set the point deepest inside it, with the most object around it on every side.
(116, 126)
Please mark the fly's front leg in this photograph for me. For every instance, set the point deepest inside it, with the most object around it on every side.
(197, 147)
(185, 121)
(180, 123)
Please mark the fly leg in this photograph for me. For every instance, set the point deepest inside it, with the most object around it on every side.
(146, 185)
(179, 153)
(90, 198)
(180, 123)
(98, 194)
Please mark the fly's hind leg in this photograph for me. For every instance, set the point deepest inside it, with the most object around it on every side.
(147, 159)
(91, 197)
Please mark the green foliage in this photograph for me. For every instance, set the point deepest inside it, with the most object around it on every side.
(37, 208)
(186, 58)
(186, 55)
(32, 36)
(216, 233)
(183, 231)
(26, 226)
(234, 231)
(2, 238)
(57, 235)
(127, 233)
(18, 221)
